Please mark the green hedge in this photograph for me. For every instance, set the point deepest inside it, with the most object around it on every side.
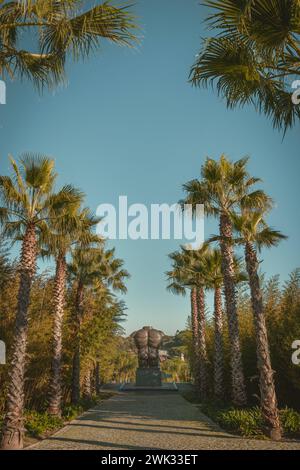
(40, 424)
(249, 422)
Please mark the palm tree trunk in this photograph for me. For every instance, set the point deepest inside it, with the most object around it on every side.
(202, 343)
(97, 378)
(59, 300)
(87, 388)
(218, 360)
(13, 428)
(237, 375)
(75, 392)
(195, 334)
(75, 389)
(266, 379)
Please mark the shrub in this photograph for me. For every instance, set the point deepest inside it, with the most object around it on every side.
(290, 420)
(38, 424)
(248, 423)
(70, 412)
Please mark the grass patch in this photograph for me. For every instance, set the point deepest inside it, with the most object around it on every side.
(247, 422)
(250, 423)
(290, 420)
(39, 424)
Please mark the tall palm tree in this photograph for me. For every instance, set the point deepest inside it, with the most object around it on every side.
(188, 273)
(212, 271)
(254, 234)
(214, 280)
(27, 204)
(195, 270)
(97, 377)
(87, 384)
(91, 267)
(58, 238)
(61, 30)
(223, 185)
(179, 286)
(253, 56)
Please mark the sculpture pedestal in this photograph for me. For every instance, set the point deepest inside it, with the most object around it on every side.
(148, 377)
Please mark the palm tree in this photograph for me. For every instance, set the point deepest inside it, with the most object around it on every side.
(195, 269)
(253, 232)
(27, 205)
(188, 273)
(212, 271)
(222, 187)
(63, 30)
(87, 384)
(253, 56)
(179, 286)
(57, 241)
(96, 268)
(97, 377)
(214, 280)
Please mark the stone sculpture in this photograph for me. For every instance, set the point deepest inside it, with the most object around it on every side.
(147, 341)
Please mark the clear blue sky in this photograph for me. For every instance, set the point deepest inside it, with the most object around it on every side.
(129, 123)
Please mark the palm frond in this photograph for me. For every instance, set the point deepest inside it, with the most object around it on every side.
(38, 171)
(80, 34)
(62, 28)
(269, 237)
(255, 51)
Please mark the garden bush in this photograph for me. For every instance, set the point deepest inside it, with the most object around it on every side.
(40, 424)
(249, 422)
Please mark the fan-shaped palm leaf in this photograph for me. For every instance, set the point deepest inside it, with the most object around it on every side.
(256, 50)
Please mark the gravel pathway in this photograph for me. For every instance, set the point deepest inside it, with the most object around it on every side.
(147, 421)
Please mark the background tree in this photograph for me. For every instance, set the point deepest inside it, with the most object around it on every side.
(253, 231)
(212, 266)
(188, 273)
(5, 265)
(222, 186)
(97, 269)
(57, 239)
(27, 203)
(102, 338)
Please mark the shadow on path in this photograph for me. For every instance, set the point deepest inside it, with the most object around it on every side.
(107, 445)
(149, 421)
(117, 427)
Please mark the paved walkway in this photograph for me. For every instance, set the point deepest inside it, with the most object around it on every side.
(149, 421)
